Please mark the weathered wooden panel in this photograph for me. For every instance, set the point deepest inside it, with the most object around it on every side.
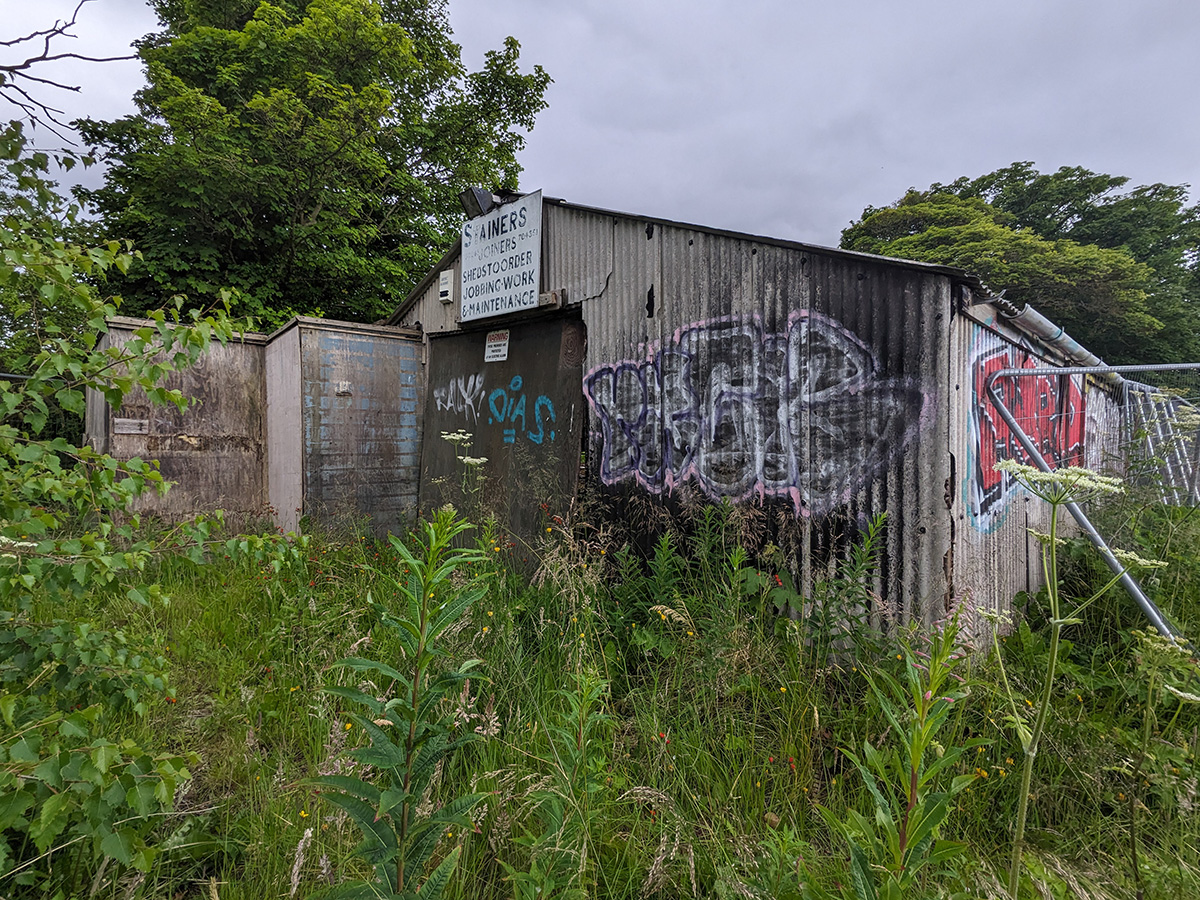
(524, 416)
(213, 452)
(359, 393)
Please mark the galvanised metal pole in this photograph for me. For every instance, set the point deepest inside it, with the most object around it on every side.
(1127, 581)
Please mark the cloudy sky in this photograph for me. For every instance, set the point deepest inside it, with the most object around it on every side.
(787, 117)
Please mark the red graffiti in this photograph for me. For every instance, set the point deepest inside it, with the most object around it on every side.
(1050, 409)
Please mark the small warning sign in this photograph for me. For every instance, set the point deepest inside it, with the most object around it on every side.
(496, 347)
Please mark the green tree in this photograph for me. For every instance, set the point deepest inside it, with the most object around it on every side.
(1115, 269)
(308, 153)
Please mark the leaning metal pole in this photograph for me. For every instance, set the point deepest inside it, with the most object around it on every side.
(1127, 581)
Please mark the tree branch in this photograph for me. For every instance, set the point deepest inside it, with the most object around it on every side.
(36, 110)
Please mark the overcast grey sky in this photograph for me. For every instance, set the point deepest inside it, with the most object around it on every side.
(787, 118)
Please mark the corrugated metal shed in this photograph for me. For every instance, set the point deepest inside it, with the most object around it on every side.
(814, 382)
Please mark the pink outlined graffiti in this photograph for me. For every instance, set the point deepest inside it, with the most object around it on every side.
(801, 414)
(1051, 410)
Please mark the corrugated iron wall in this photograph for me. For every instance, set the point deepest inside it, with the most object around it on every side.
(779, 376)
(815, 389)
(997, 557)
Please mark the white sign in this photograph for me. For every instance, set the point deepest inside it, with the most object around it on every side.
(496, 347)
(501, 259)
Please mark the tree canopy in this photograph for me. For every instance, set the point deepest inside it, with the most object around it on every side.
(308, 153)
(1120, 271)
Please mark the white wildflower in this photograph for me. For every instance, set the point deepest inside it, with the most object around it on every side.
(1131, 560)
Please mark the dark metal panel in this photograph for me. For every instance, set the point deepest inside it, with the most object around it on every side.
(523, 416)
(360, 396)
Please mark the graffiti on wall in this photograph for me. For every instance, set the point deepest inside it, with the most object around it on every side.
(462, 395)
(508, 407)
(1050, 409)
(801, 414)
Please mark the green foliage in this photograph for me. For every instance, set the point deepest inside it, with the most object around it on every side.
(563, 816)
(911, 783)
(48, 484)
(1056, 488)
(410, 733)
(309, 154)
(1115, 270)
(841, 619)
(64, 782)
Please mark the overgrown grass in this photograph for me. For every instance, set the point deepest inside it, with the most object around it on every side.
(647, 727)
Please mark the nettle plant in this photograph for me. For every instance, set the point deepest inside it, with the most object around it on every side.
(410, 731)
(68, 789)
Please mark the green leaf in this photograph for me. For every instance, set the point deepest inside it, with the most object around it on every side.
(348, 784)
(435, 884)
(53, 817)
(379, 841)
(358, 664)
(452, 609)
(119, 846)
(860, 874)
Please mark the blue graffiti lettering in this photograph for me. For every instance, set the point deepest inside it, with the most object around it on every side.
(507, 409)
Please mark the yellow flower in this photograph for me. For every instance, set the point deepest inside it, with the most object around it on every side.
(783, 690)
(690, 634)
(548, 530)
(485, 629)
(293, 690)
(489, 612)
(304, 813)
(349, 726)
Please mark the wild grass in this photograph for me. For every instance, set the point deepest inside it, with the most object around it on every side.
(650, 727)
